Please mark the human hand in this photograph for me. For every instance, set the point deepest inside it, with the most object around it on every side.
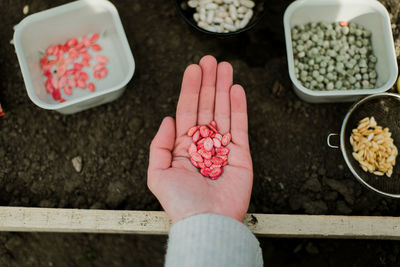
(207, 94)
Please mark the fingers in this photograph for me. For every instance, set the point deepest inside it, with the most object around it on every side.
(208, 66)
(162, 145)
(186, 112)
(239, 123)
(222, 98)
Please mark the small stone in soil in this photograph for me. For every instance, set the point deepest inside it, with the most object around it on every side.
(77, 163)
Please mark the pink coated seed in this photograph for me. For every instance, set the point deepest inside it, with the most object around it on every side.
(85, 63)
(101, 59)
(226, 139)
(62, 82)
(49, 87)
(78, 66)
(215, 173)
(212, 128)
(192, 131)
(81, 84)
(103, 72)
(217, 161)
(56, 95)
(67, 90)
(83, 75)
(86, 56)
(98, 67)
(217, 142)
(70, 72)
(208, 144)
(197, 157)
(222, 151)
(94, 37)
(91, 87)
(86, 41)
(96, 75)
(204, 131)
(71, 83)
(73, 53)
(72, 42)
(205, 172)
(192, 149)
(196, 136)
(208, 163)
(61, 70)
(195, 163)
(54, 82)
(96, 47)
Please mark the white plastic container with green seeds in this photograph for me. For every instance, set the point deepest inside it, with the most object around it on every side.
(370, 14)
(57, 25)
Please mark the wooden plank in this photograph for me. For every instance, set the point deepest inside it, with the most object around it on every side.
(157, 223)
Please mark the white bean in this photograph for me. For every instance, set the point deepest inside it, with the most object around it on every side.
(218, 20)
(249, 14)
(219, 28)
(222, 14)
(211, 6)
(196, 17)
(236, 3)
(193, 3)
(246, 19)
(205, 2)
(229, 20)
(229, 27)
(237, 24)
(210, 28)
(242, 9)
(210, 16)
(218, 2)
(203, 14)
(232, 12)
(202, 24)
(228, 1)
(247, 3)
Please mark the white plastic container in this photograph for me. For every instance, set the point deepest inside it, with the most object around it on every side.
(368, 13)
(57, 25)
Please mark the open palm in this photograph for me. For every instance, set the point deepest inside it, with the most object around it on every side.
(207, 94)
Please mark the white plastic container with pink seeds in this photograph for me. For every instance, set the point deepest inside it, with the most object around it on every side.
(57, 25)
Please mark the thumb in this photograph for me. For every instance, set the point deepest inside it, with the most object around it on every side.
(162, 145)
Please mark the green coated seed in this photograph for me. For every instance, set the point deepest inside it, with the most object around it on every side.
(328, 53)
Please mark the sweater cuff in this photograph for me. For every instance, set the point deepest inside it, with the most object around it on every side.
(212, 240)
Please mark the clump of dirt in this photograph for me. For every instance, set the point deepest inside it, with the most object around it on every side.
(294, 170)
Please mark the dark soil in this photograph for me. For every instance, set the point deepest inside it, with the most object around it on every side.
(294, 170)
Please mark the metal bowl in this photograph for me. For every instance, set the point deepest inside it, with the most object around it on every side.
(385, 108)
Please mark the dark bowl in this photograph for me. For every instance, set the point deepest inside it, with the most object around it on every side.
(187, 14)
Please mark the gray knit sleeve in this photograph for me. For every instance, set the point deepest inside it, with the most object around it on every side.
(212, 240)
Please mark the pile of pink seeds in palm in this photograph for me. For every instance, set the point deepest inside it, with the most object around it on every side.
(208, 152)
(63, 66)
